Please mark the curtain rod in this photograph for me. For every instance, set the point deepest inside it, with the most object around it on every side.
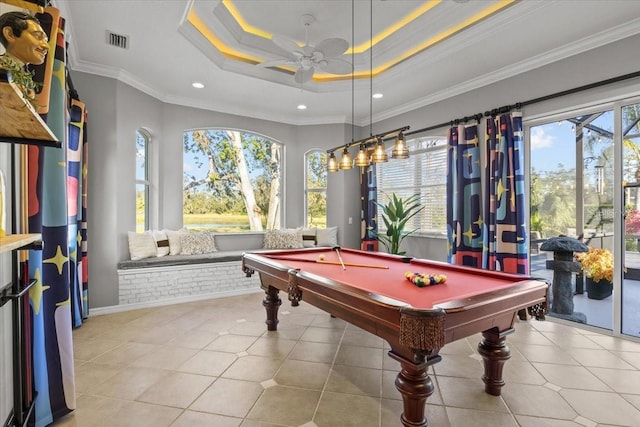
(517, 106)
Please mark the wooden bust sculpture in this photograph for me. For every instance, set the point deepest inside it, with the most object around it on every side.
(25, 42)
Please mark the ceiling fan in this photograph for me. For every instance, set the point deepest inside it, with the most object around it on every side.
(309, 58)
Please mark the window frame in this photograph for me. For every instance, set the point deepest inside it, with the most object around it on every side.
(419, 147)
(308, 190)
(279, 221)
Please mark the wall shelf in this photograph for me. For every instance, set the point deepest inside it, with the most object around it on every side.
(19, 121)
(11, 242)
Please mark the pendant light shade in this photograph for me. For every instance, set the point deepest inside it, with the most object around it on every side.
(379, 153)
(362, 158)
(332, 163)
(400, 150)
(345, 160)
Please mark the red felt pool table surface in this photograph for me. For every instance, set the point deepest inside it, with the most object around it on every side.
(461, 282)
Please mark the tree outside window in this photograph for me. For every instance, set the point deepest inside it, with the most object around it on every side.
(142, 180)
(231, 181)
(316, 189)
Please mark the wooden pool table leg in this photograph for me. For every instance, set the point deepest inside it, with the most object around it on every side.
(271, 303)
(494, 351)
(415, 386)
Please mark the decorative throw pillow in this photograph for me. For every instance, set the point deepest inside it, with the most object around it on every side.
(175, 248)
(327, 236)
(197, 243)
(141, 245)
(309, 237)
(162, 243)
(283, 239)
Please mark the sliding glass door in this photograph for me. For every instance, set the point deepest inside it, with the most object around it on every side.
(571, 182)
(630, 129)
(578, 165)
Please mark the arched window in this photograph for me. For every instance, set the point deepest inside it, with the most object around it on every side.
(315, 189)
(231, 181)
(143, 184)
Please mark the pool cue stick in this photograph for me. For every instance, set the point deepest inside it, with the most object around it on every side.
(337, 249)
(350, 264)
(321, 261)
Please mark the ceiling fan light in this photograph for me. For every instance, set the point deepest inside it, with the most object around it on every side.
(332, 163)
(379, 153)
(362, 158)
(400, 150)
(345, 161)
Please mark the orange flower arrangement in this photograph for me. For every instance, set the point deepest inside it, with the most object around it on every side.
(597, 264)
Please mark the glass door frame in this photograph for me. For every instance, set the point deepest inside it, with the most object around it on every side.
(618, 188)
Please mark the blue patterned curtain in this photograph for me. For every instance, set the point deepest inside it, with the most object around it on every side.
(485, 196)
(465, 224)
(368, 198)
(505, 205)
(50, 212)
(75, 212)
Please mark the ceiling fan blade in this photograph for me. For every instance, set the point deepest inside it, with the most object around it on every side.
(303, 76)
(332, 47)
(275, 63)
(286, 43)
(336, 66)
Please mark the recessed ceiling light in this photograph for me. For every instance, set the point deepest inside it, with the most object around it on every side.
(197, 85)
(302, 107)
(377, 95)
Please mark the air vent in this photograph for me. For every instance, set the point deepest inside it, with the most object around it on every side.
(117, 40)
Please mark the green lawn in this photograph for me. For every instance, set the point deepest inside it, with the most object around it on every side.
(215, 219)
(221, 223)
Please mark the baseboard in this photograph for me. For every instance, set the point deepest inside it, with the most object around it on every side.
(159, 303)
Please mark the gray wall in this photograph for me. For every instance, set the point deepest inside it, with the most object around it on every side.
(117, 110)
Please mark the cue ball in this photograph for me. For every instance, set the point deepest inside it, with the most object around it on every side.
(321, 257)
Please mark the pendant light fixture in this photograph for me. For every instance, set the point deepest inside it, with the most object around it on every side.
(332, 163)
(345, 161)
(379, 155)
(362, 158)
(400, 150)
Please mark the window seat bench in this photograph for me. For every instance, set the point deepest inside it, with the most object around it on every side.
(182, 278)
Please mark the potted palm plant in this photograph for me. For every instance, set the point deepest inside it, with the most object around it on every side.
(395, 214)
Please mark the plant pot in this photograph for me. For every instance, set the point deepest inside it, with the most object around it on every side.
(598, 290)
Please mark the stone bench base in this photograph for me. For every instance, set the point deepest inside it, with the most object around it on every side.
(175, 283)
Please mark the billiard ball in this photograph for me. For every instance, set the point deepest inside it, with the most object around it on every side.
(321, 257)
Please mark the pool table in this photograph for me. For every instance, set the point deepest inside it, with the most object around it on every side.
(369, 290)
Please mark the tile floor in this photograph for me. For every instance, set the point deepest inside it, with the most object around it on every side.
(212, 363)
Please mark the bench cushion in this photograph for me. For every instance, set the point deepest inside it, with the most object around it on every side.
(169, 260)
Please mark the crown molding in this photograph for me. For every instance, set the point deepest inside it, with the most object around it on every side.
(588, 43)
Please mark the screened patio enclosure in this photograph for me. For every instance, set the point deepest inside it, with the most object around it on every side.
(585, 183)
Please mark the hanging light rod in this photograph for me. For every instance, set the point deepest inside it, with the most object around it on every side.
(370, 140)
